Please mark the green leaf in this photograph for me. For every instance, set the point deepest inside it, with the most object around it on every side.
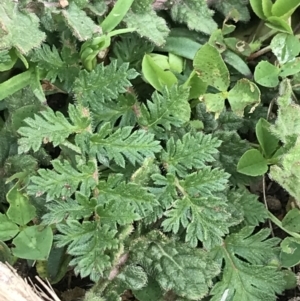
(196, 209)
(257, 6)
(170, 108)
(63, 66)
(290, 68)
(148, 25)
(79, 23)
(123, 143)
(287, 171)
(123, 203)
(175, 266)
(63, 180)
(287, 125)
(214, 102)
(155, 75)
(290, 252)
(266, 74)
(104, 83)
(230, 152)
(211, 68)
(15, 24)
(237, 63)
(20, 210)
(81, 207)
(252, 163)
(33, 243)
(51, 126)
(5, 254)
(150, 292)
(284, 8)
(190, 12)
(246, 275)
(190, 152)
(267, 7)
(88, 242)
(116, 15)
(20, 114)
(196, 85)
(279, 24)
(285, 46)
(8, 229)
(253, 211)
(267, 141)
(244, 93)
(291, 221)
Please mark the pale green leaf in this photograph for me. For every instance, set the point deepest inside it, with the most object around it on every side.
(211, 68)
(266, 74)
(82, 26)
(285, 46)
(20, 210)
(148, 25)
(214, 102)
(156, 75)
(244, 93)
(8, 229)
(14, 25)
(33, 243)
(284, 8)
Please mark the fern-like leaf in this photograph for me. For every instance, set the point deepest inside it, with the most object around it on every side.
(123, 143)
(187, 272)
(63, 180)
(104, 83)
(246, 274)
(197, 206)
(247, 204)
(166, 109)
(87, 242)
(195, 14)
(122, 203)
(50, 126)
(149, 25)
(192, 151)
(64, 66)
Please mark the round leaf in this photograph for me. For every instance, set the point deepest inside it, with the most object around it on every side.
(291, 221)
(266, 74)
(8, 229)
(290, 252)
(252, 163)
(211, 68)
(214, 102)
(285, 46)
(33, 243)
(244, 93)
(20, 210)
